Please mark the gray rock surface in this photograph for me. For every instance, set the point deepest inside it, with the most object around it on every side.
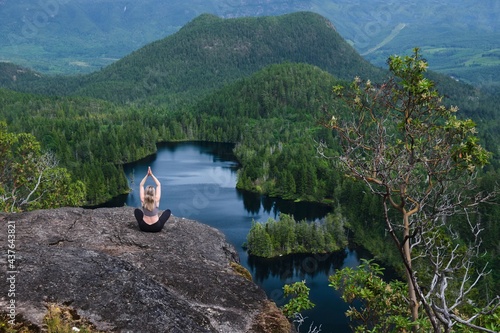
(124, 280)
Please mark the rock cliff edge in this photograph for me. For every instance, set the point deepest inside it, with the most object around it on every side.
(124, 280)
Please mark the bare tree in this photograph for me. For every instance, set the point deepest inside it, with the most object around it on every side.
(32, 187)
(412, 151)
(299, 321)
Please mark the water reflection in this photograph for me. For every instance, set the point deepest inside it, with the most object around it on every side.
(199, 181)
(220, 152)
(254, 202)
(251, 201)
(301, 266)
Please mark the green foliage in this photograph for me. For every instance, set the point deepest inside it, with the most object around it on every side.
(30, 179)
(88, 143)
(299, 300)
(413, 152)
(379, 306)
(259, 241)
(90, 138)
(374, 305)
(286, 236)
(490, 321)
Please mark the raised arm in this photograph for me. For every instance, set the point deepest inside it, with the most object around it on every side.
(158, 187)
(141, 188)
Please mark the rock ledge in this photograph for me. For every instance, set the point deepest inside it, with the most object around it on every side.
(123, 280)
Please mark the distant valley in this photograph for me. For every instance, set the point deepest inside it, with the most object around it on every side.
(460, 39)
(253, 81)
(206, 54)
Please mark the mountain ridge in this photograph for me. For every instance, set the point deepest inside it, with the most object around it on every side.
(52, 36)
(209, 52)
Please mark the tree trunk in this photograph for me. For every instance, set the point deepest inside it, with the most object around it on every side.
(407, 254)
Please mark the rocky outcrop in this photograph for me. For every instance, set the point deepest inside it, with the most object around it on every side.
(124, 280)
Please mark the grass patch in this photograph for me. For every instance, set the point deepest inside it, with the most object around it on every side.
(59, 319)
(240, 270)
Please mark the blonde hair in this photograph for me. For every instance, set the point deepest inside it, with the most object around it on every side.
(149, 198)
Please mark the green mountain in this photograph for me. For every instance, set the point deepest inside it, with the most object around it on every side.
(460, 38)
(10, 73)
(210, 52)
(276, 91)
(215, 79)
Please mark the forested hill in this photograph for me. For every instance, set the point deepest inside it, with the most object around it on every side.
(209, 52)
(10, 73)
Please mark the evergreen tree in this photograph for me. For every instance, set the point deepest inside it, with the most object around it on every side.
(286, 236)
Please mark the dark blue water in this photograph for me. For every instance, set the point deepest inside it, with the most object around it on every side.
(199, 182)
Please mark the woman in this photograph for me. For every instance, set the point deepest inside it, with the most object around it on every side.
(150, 200)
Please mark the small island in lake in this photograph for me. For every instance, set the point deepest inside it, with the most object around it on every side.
(287, 236)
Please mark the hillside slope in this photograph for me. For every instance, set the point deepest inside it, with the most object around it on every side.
(210, 52)
(10, 73)
(288, 91)
(461, 38)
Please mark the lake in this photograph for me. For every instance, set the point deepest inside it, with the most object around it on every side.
(199, 182)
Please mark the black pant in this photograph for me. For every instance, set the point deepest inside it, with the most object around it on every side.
(155, 227)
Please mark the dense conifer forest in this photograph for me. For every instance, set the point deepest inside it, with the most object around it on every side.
(206, 54)
(286, 236)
